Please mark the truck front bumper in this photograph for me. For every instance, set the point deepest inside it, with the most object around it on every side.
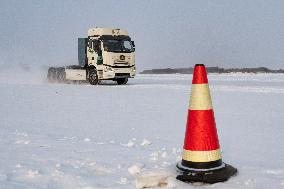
(118, 73)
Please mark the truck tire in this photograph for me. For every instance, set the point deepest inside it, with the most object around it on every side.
(61, 75)
(93, 77)
(48, 73)
(122, 81)
(51, 75)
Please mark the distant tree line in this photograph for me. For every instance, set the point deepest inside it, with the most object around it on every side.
(211, 70)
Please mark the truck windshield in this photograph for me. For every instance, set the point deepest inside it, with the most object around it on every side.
(115, 45)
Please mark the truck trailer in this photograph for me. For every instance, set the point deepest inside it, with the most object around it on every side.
(106, 54)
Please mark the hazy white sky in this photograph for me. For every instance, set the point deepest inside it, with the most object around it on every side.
(168, 33)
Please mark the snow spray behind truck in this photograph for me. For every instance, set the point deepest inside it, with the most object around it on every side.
(106, 54)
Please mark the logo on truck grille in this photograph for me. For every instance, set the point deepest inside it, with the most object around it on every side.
(122, 57)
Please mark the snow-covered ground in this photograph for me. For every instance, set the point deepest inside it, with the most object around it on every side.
(63, 136)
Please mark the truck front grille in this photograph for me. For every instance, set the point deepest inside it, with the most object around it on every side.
(122, 66)
(121, 63)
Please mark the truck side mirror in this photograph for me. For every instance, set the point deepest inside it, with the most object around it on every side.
(133, 44)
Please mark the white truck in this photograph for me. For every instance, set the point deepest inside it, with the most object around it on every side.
(106, 54)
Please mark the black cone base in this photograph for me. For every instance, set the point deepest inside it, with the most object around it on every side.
(207, 176)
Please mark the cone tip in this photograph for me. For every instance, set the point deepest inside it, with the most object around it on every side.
(199, 74)
(199, 65)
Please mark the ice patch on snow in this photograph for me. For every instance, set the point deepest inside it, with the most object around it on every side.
(146, 142)
(166, 164)
(119, 166)
(123, 180)
(100, 143)
(158, 155)
(274, 172)
(57, 165)
(164, 154)
(22, 138)
(154, 156)
(130, 144)
(32, 173)
(87, 140)
(249, 182)
(66, 138)
(155, 179)
(23, 134)
(101, 170)
(112, 142)
(18, 166)
(22, 141)
(135, 169)
(76, 164)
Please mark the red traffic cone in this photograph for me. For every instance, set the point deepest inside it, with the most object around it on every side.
(201, 159)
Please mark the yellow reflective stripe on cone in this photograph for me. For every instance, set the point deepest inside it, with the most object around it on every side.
(200, 98)
(201, 156)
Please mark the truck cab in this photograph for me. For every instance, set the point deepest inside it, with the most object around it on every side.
(105, 54)
(109, 52)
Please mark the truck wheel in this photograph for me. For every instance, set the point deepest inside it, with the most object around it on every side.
(51, 75)
(61, 75)
(93, 77)
(122, 81)
(54, 75)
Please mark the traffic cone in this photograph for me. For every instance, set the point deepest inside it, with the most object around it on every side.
(201, 158)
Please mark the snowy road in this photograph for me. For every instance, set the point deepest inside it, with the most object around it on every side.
(92, 137)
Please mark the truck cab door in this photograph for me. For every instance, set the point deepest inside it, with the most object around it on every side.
(94, 53)
(97, 45)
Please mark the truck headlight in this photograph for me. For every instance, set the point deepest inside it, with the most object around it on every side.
(108, 69)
